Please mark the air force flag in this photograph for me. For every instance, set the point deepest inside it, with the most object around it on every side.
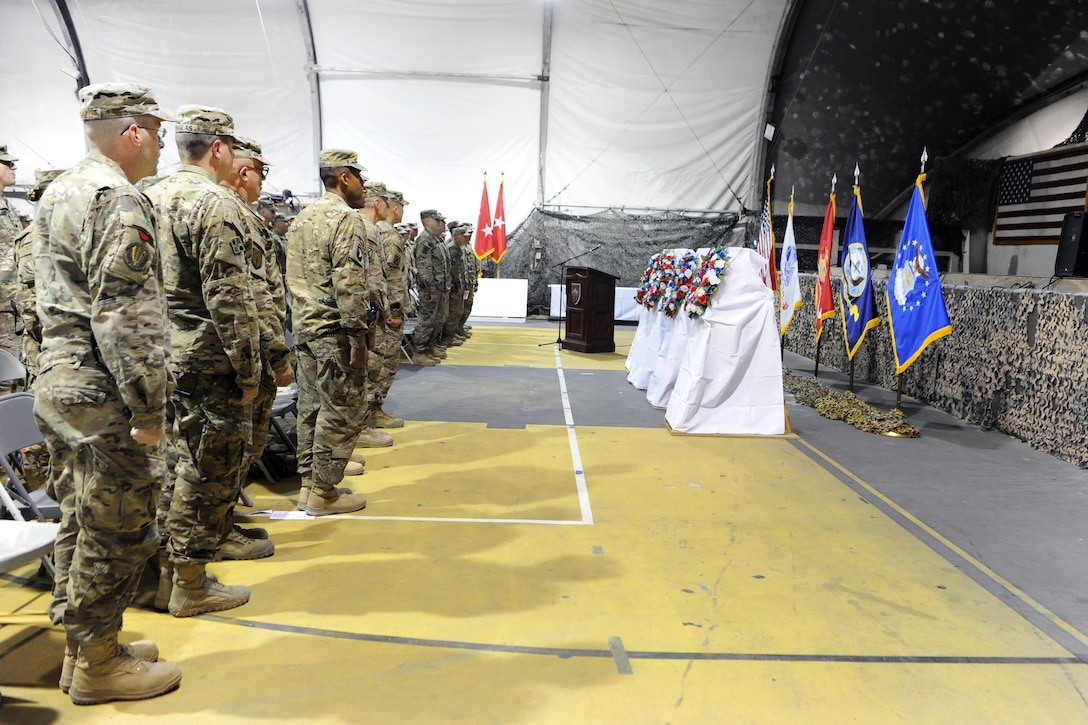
(856, 295)
(916, 310)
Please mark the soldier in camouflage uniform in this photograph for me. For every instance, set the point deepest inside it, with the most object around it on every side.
(388, 208)
(472, 283)
(276, 372)
(456, 243)
(101, 390)
(412, 231)
(434, 282)
(215, 353)
(25, 300)
(331, 280)
(10, 226)
(279, 244)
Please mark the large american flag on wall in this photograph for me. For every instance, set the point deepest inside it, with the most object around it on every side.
(1037, 191)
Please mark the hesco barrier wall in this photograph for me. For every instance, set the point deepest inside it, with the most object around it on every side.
(1016, 361)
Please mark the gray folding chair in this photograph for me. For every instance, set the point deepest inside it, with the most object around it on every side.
(19, 430)
(11, 369)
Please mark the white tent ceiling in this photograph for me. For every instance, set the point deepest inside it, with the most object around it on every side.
(638, 103)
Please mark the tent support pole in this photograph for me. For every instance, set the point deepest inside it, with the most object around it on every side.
(72, 39)
(314, 76)
(545, 86)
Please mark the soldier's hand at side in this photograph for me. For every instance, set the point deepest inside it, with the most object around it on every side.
(433, 297)
(246, 398)
(147, 436)
(282, 380)
(358, 358)
(393, 322)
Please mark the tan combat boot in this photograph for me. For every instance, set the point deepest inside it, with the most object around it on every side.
(142, 649)
(237, 547)
(380, 419)
(104, 672)
(304, 492)
(166, 582)
(196, 592)
(440, 353)
(371, 438)
(424, 360)
(325, 500)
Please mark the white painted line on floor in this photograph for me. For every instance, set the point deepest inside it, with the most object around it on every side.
(452, 520)
(572, 438)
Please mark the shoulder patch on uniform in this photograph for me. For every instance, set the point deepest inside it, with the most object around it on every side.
(258, 257)
(137, 255)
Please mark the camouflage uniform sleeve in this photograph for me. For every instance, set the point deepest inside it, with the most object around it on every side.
(126, 303)
(351, 285)
(425, 276)
(375, 271)
(25, 300)
(393, 248)
(271, 308)
(225, 279)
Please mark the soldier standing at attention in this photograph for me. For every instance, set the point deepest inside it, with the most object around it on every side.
(457, 285)
(215, 353)
(472, 280)
(101, 390)
(248, 172)
(327, 277)
(10, 226)
(433, 281)
(388, 210)
(26, 303)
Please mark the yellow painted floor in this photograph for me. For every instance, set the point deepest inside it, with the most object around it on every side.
(698, 580)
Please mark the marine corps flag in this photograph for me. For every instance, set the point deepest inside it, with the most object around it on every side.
(791, 283)
(825, 298)
(916, 311)
(485, 238)
(499, 226)
(857, 307)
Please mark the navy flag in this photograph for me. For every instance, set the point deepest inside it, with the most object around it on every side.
(916, 310)
(857, 306)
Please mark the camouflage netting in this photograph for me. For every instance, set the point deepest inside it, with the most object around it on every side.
(626, 242)
(1015, 362)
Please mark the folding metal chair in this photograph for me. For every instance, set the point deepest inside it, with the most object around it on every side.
(19, 430)
(11, 370)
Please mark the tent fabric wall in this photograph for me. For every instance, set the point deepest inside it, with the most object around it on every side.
(649, 105)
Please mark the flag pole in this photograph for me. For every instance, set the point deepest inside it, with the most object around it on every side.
(857, 181)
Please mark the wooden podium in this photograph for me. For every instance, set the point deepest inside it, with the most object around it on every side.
(591, 304)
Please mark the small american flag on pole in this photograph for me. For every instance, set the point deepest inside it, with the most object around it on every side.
(1037, 191)
(765, 244)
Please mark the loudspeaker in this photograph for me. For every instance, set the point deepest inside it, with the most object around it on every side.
(1072, 259)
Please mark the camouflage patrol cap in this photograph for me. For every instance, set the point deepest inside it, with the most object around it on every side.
(265, 204)
(247, 148)
(279, 218)
(397, 198)
(401, 227)
(118, 100)
(431, 214)
(412, 225)
(5, 156)
(335, 158)
(42, 179)
(377, 189)
(206, 120)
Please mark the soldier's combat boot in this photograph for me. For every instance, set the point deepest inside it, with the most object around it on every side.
(325, 500)
(236, 547)
(357, 458)
(104, 672)
(166, 582)
(371, 438)
(304, 492)
(424, 360)
(380, 419)
(196, 592)
(440, 353)
(142, 649)
(354, 468)
(253, 532)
